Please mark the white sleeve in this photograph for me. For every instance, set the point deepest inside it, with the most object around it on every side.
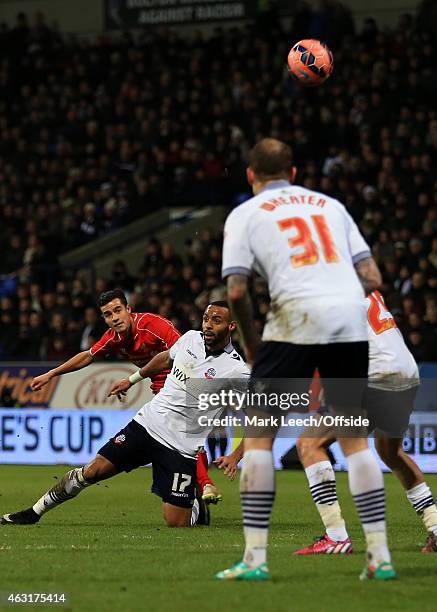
(178, 345)
(358, 247)
(240, 378)
(237, 255)
(244, 370)
(241, 371)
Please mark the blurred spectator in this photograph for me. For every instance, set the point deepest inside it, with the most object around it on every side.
(57, 349)
(120, 277)
(94, 328)
(13, 257)
(33, 347)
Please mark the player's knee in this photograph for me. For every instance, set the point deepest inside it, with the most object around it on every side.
(388, 453)
(90, 473)
(175, 516)
(176, 521)
(305, 448)
(98, 469)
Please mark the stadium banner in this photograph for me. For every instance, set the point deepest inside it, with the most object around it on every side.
(38, 436)
(420, 442)
(85, 389)
(124, 14)
(15, 382)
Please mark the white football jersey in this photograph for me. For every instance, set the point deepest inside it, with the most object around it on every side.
(305, 244)
(172, 417)
(391, 365)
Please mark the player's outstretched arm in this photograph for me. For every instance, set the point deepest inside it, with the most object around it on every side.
(369, 274)
(79, 361)
(159, 363)
(242, 312)
(229, 463)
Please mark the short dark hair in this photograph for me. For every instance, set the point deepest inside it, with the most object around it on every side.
(220, 303)
(108, 296)
(271, 158)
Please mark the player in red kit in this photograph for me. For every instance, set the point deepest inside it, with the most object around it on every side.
(137, 337)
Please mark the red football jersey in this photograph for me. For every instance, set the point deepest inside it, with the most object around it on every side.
(152, 334)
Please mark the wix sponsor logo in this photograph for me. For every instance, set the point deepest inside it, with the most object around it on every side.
(180, 375)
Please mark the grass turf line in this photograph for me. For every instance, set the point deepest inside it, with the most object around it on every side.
(109, 550)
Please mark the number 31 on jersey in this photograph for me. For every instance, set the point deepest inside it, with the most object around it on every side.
(304, 238)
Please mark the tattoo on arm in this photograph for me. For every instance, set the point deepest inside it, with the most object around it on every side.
(369, 274)
(242, 311)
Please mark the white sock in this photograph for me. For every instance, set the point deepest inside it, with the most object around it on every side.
(70, 485)
(194, 513)
(321, 479)
(422, 500)
(367, 487)
(257, 491)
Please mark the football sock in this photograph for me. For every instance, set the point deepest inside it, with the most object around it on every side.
(194, 513)
(70, 485)
(367, 487)
(422, 500)
(257, 491)
(223, 444)
(321, 479)
(202, 475)
(212, 443)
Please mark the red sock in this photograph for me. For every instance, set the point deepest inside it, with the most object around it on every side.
(202, 470)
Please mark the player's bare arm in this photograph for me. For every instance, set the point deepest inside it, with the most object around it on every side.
(242, 312)
(229, 463)
(369, 274)
(159, 363)
(79, 361)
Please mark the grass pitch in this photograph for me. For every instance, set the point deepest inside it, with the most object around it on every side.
(108, 550)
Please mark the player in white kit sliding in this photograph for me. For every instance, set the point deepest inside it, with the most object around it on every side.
(166, 432)
(393, 382)
(313, 256)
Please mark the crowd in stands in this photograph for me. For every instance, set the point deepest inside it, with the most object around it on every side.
(96, 133)
(52, 325)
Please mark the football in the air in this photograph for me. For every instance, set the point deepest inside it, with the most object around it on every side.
(310, 62)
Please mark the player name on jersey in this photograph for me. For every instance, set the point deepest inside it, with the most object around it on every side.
(311, 200)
